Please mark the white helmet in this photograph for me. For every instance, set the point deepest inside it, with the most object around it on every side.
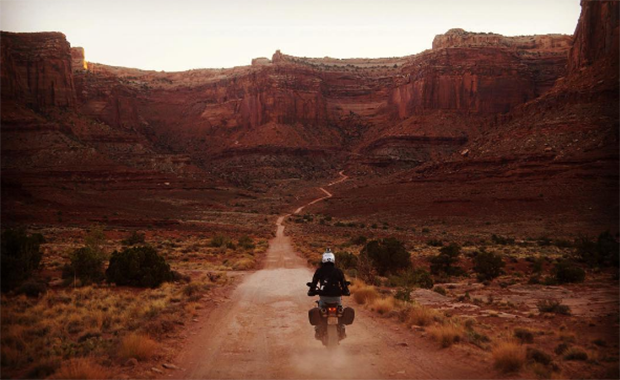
(328, 256)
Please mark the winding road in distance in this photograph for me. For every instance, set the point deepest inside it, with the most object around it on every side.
(262, 332)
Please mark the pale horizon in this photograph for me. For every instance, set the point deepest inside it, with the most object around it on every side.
(184, 35)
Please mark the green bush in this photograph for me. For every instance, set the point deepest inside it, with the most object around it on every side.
(86, 264)
(435, 243)
(538, 356)
(604, 252)
(575, 354)
(524, 335)
(412, 278)
(501, 240)
(32, 288)
(359, 240)
(346, 260)
(20, 256)
(444, 262)
(552, 306)
(134, 239)
(222, 241)
(138, 266)
(537, 264)
(387, 255)
(246, 242)
(488, 265)
(440, 290)
(566, 271)
(403, 294)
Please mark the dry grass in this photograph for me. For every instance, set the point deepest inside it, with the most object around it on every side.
(365, 294)
(447, 334)
(137, 346)
(422, 316)
(244, 264)
(508, 356)
(382, 305)
(74, 323)
(84, 368)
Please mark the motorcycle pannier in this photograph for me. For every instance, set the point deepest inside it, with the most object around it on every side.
(348, 315)
(314, 315)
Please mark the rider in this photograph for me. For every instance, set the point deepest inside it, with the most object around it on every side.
(331, 280)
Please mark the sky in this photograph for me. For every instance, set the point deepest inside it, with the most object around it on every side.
(175, 35)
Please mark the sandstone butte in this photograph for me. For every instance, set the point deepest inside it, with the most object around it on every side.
(502, 127)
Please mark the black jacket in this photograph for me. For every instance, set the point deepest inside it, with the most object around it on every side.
(331, 281)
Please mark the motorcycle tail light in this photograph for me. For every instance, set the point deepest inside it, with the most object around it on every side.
(332, 309)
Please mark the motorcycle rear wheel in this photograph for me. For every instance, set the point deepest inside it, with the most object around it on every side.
(332, 336)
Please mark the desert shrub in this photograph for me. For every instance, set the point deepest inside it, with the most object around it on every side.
(476, 338)
(412, 278)
(561, 348)
(574, 353)
(137, 346)
(382, 305)
(134, 239)
(537, 264)
(604, 252)
(246, 242)
(508, 357)
(566, 271)
(346, 260)
(600, 342)
(524, 335)
(534, 280)
(364, 294)
(359, 240)
(488, 265)
(43, 368)
(538, 356)
(32, 288)
(138, 266)
(552, 306)
(84, 368)
(562, 243)
(387, 255)
(501, 240)
(222, 241)
(403, 294)
(20, 256)
(86, 264)
(435, 243)
(444, 262)
(440, 290)
(447, 334)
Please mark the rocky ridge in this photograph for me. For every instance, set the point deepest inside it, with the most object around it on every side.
(473, 101)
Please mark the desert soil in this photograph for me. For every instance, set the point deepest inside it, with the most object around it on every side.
(262, 331)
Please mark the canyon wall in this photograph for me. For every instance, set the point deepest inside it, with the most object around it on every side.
(596, 35)
(36, 69)
(478, 104)
(321, 105)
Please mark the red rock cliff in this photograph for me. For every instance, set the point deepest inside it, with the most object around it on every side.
(596, 35)
(36, 68)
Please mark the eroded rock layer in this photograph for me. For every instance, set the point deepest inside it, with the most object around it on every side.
(480, 105)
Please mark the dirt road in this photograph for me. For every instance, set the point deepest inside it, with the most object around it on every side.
(263, 332)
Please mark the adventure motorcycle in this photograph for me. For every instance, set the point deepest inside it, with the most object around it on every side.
(330, 320)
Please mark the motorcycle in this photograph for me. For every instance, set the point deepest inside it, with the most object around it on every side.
(330, 320)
